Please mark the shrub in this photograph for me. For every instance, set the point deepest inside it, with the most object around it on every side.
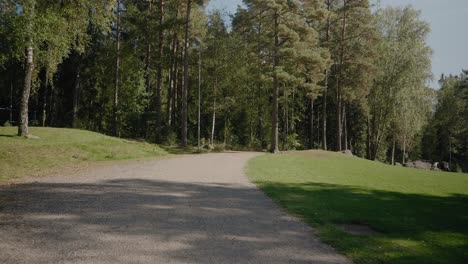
(219, 148)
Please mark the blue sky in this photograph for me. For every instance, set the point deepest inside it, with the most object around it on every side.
(448, 39)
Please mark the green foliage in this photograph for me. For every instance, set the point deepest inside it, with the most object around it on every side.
(219, 148)
(446, 135)
(418, 214)
(367, 70)
(292, 142)
(399, 101)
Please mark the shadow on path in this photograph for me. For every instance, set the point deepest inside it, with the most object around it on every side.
(151, 221)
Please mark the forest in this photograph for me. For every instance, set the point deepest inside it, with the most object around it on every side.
(284, 75)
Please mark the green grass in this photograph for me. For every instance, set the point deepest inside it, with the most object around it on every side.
(421, 216)
(58, 148)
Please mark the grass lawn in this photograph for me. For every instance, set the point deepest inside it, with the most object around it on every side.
(58, 148)
(421, 216)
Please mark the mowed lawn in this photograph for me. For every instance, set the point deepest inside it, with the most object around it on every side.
(421, 216)
(58, 148)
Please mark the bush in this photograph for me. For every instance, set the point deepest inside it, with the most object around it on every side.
(292, 142)
(219, 148)
(168, 136)
(7, 124)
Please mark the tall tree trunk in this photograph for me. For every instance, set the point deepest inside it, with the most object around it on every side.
(12, 79)
(199, 99)
(285, 127)
(325, 93)
(44, 103)
(368, 152)
(148, 48)
(404, 149)
(345, 126)
(148, 61)
(176, 103)
(172, 80)
(117, 71)
(178, 94)
(213, 125)
(160, 71)
(52, 106)
(76, 93)
(339, 95)
(393, 150)
(101, 115)
(274, 112)
(23, 128)
(226, 122)
(318, 128)
(186, 76)
(260, 126)
(311, 123)
(338, 122)
(450, 152)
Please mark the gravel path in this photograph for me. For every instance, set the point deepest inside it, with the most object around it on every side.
(188, 209)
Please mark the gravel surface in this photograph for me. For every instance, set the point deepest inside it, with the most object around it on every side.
(188, 209)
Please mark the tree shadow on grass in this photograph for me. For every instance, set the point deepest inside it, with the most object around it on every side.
(148, 221)
(414, 228)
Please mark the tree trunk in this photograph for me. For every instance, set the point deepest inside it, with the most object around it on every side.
(117, 69)
(311, 123)
(324, 118)
(339, 95)
(285, 127)
(186, 76)
(450, 152)
(76, 93)
(44, 103)
(226, 122)
(178, 94)
(338, 123)
(52, 106)
(318, 128)
(23, 128)
(160, 71)
(12, 78)
(393, 150)
(260, 126)
(369, 154)
(199, 99)
(274, 118)
(404, 149)
(325, 93)
(177, 87)
(345, 127)
(172, 80)
(148, 49)
(214, 113)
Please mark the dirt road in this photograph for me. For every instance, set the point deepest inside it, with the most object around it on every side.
(188, 209)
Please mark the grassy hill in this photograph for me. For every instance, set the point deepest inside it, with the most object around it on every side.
(419, 216)
(58, 148)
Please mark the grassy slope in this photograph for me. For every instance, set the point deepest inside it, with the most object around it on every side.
(63, 147)
(422, 215)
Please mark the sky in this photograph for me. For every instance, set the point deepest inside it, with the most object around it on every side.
(448, 39)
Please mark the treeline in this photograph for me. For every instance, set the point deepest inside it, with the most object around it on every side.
(285, 75)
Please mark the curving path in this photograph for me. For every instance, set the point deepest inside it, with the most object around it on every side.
(188, 209)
